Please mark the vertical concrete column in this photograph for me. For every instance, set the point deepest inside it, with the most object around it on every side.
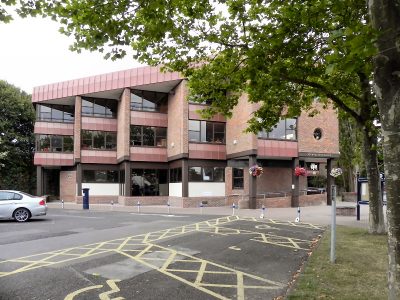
(39, 180)
(329, 181)
(123, 125)
(77, 129)
(295, 184)
(185, 178)
(128, 181)
(79, 179)
(252, 184)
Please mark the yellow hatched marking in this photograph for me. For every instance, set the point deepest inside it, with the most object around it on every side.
(200, 273)
(165, 272)
(71, 296)
(240, 286)
(280, 241)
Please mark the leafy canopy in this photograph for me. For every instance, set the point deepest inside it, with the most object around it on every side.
(283, 54)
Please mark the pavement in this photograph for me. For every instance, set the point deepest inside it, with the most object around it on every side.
(321, 215)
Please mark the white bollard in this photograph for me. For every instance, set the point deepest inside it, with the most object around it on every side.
(201, 207)
(169, 210)
(233, 209)
(262, 212)
(112, 204)
(298, 215)
(62, 203)
(138, 207)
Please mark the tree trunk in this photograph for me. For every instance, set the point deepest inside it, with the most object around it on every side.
(385, 18)
(376, 218)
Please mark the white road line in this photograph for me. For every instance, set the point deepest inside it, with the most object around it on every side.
(160, 215)
(69, 216)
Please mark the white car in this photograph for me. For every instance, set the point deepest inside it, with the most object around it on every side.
(21, 206)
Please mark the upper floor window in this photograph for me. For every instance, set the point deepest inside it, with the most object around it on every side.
(96, 107)
(55, 113)
(54, 143)
(148, 136)
(104, 140)
(207, 132)
(284, 130)
(149, 101)
(211, 174)
(100, 176)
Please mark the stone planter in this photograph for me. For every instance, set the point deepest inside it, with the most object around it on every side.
(349, 197)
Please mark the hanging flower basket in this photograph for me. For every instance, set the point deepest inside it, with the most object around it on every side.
(299, 171)
(335, 172)
(255, 171)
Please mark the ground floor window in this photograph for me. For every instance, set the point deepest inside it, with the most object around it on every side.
(210, 174)
(97, 176)
(175, 175)
(149, 182)
(237, 178)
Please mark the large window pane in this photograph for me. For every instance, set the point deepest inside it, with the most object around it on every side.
(149, 182)
(68, 144)
(219, 133)
(87, 108)
(111, 140)
(195, 174)
(161, 136)
(44, 143)
(219, 174)
(238, 180)
(208, 174)
(194, 131)
(148, 100)
(56, 143)
(98, 140)
(148, 136)
(44, 113)
(136, 136)
(87, 139)
(278, 132)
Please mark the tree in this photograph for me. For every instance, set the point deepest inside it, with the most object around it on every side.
(385, 17)
(16, 139)
(283, 54)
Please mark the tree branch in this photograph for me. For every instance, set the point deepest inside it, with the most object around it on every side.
(330, 95)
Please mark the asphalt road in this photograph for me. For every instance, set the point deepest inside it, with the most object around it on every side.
(121, 255)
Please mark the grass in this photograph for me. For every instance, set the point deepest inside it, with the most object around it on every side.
(360, 271)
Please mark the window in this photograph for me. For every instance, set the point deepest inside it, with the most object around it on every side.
(206, 132)
(149, 182)
(105, 140)
(105, 176)
(148, 136)
(284, 130)
(55, 113)
(103, 108)
(204, 174)
(175, 175)
(54, 143)
(9, 196)
(237, 178)
(149, 101)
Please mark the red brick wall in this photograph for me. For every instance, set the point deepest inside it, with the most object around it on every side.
(236, 125)
(124, 120)
(177, 121)
(67, 185)
(310, 200)
(327, 121)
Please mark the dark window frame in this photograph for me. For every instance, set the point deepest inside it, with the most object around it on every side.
(175, 175)
(203, 174)
(92, 138)
(203, 135)
(156, 136)
(52, 118)
(112, 176)
(239, 177)
(162, 99)
(267, 135)
(92, 108)
(50, 148)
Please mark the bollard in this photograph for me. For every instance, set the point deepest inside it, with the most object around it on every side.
(138, 207)
(201, 207)
(62, 203)
(333, 225)
(112, 204)
(233, 209)
(358, 211)
(262, 212)
(169, 210)
(298, 215)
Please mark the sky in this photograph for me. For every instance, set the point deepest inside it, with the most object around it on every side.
(34, 53)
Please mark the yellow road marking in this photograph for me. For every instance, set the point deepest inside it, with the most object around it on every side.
(114, 289)
(240, 286)
(76, 293)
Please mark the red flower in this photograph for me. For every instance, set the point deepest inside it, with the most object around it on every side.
(299, 171)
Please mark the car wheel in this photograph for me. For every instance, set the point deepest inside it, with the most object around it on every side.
(21, 215)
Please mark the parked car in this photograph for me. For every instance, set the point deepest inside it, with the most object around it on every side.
(21, 206)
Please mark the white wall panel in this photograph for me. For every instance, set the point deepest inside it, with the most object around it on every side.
(201, 189)
(102, 189)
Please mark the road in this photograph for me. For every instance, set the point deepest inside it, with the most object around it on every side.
(76, 254)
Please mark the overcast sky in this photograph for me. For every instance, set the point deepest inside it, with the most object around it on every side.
(33, 53)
